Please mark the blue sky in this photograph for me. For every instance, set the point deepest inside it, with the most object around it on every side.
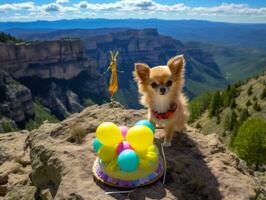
(245, 11)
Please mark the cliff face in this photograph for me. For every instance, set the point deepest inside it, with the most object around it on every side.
(15, 99)
(61, 59)
(57, 72)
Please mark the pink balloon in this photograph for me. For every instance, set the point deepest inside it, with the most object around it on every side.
(123, 130)
(123, 146)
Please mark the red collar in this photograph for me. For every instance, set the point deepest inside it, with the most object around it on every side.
(167, 114)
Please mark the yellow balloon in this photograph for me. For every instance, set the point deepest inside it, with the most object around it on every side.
(153, 148)
(109, 134)
(140, 137)
(152, 156)
(107, 153)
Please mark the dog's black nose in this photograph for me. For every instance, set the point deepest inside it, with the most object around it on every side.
(162, 90)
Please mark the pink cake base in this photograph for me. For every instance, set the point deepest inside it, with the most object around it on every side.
(147, 180)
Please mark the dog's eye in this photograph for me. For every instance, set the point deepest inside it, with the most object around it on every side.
(153, 85)
(169, 83)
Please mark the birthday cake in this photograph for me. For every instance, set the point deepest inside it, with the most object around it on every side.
(127, 158)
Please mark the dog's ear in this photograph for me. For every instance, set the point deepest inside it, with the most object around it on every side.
(176, 65)
(142, 72)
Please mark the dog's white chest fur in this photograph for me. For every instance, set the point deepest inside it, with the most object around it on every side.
(161, 103)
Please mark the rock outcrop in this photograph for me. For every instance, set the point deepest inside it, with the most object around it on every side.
(198, 166)
(15, 99)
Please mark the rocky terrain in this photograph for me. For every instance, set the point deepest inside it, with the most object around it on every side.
(55, 161)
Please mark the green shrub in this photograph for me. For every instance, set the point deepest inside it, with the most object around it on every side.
(7, 126)
(250, 141)
(40, 116)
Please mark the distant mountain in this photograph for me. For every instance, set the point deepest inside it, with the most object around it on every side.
(235, 63)
(245, 35)
(51, 34)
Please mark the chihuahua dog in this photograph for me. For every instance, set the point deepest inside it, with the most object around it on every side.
(161, 90)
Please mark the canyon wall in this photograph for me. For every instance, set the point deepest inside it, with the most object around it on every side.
(57, 73)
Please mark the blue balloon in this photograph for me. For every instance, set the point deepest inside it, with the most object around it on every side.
(96, 145)
(128, 160)
(146, 123)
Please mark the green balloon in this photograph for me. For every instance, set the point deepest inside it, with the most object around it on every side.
(96, 145)
(146, 123)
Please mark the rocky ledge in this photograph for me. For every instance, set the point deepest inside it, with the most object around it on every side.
(61, 158)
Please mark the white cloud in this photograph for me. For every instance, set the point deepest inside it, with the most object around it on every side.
(229, 9)
(130, 8)
(61, 1)
(130, 5)
(17, 6)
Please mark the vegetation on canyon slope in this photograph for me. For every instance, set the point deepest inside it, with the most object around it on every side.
(237, 114)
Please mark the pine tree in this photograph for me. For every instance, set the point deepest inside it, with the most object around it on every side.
(215, 104)
(230, 120)
(248, 103)
(233, 103)
(256, 106)
(250, 90)
(263, 94)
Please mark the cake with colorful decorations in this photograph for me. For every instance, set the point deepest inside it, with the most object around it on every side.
(127, 157)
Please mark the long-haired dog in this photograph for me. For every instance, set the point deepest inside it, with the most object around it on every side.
(161, 90)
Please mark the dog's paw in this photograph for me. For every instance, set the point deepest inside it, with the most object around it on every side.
(166, 144)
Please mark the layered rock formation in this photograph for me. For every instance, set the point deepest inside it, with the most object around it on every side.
(15, 99)
(56, 72)
(61, 59)
(198, 166)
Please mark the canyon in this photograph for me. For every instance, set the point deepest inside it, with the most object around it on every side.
(67, 73)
